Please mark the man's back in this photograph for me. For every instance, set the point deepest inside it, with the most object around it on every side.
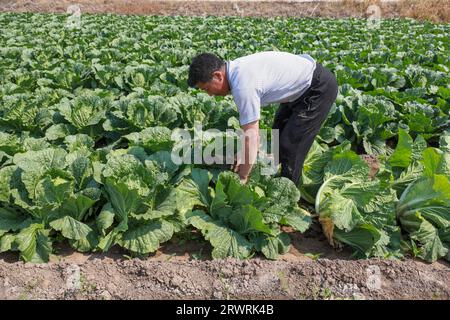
(268, 77)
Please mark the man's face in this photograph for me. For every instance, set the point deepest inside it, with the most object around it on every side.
(216, 86)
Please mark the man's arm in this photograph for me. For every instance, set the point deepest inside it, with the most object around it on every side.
(251, 143)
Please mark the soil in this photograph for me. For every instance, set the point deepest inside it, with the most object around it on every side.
(432, 10)
(185, 270)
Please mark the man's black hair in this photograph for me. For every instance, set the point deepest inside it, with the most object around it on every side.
(202, 68)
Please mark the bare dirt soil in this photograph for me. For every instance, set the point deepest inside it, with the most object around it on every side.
(184, 270)
(432, 10)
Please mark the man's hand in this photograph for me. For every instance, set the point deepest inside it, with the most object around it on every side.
(238, 160)
(236, 167)
(245, 159)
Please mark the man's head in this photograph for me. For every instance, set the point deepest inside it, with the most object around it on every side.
(208, 73)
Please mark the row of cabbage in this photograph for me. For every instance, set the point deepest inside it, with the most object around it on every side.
(86, 116)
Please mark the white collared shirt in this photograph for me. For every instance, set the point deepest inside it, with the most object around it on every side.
(267, 77)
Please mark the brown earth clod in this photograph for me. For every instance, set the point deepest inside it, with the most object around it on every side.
(110, 278)
(437, 11)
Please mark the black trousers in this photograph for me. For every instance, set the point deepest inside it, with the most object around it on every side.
(299, 121)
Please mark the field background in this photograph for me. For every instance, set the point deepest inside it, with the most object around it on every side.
(433, 10)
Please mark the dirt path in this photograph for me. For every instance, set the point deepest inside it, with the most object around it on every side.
(434, 10)
(183, 270)
(104, 277)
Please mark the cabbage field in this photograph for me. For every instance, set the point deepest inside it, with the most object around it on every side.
(86, 117)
